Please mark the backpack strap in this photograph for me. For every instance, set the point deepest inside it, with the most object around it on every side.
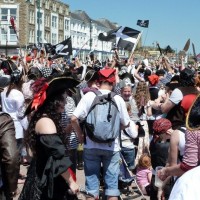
(125, 133)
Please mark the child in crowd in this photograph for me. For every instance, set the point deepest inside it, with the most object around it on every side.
(144, 174)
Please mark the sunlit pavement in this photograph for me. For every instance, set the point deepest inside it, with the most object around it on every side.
(81, 181)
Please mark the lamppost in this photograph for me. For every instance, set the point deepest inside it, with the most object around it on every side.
(90, 34)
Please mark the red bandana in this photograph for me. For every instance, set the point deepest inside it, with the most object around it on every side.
(153, 79)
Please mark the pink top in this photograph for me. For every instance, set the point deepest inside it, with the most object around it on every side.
(142, 176)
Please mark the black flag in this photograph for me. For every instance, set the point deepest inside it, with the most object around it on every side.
(143, 23)
(63, 48)
(124, 37)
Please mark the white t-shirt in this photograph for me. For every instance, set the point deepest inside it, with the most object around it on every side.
(181, 145)
(132, 132)
(82, 110)
(13, 105)
(176, 96)
(187, 186)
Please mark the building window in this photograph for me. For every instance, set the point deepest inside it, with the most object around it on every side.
(61, 24)
(60, 10)
(31, 36)
(47, 4)
(67, 25)
(13, 12)
(4, 35)
(47, 20)
(4, 14)
(7, 13)
(54, 38)
(54, 22)
(31, 17)
(54, 7)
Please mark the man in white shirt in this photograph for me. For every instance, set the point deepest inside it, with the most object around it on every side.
(97, 154)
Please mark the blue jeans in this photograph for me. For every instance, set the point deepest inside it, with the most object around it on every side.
(109, 160)
(129, 157)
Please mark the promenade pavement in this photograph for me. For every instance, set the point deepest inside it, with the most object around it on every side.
(81, 182)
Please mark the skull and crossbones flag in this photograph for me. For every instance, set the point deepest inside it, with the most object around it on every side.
(143, 23)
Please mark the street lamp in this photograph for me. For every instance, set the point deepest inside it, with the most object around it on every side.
(90, 34)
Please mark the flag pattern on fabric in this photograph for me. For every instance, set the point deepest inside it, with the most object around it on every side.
(12, 22)
(108, 36)
(124, 37)
(143, 23)
(63, 48)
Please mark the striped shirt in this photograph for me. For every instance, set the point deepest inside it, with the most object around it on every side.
(191, 157)
(66, 118)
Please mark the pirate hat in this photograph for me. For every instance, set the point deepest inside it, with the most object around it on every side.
(107, 75)
(8, 66)
(5, 80)
(127, 77)
(49, 89)
(192, 119)
(91, 75)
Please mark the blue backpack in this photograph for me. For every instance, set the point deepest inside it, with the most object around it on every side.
(103, 120)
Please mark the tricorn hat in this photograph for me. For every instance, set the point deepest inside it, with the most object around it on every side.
(107, 75)
(91, 75)
(49, 89)
(127, 78)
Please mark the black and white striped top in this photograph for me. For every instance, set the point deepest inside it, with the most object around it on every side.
(66, 117)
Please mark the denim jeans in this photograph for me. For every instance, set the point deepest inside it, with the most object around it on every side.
(109, 160)
(129, 157)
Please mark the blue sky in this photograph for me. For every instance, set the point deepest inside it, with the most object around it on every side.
(172, 22)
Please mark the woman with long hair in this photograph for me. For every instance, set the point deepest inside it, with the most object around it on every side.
(142, 97)
(49, 175)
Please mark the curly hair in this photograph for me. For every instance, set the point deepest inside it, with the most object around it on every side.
(144, 161)
(49, 108)
(142, 95)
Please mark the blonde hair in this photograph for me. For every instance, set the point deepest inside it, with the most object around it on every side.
(144, 161)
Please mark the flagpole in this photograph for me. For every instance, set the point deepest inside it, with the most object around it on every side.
(139, 36)
(12, 21)
(81, 48)
(146, 36)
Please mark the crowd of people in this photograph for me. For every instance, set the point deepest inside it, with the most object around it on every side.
(48, 107)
